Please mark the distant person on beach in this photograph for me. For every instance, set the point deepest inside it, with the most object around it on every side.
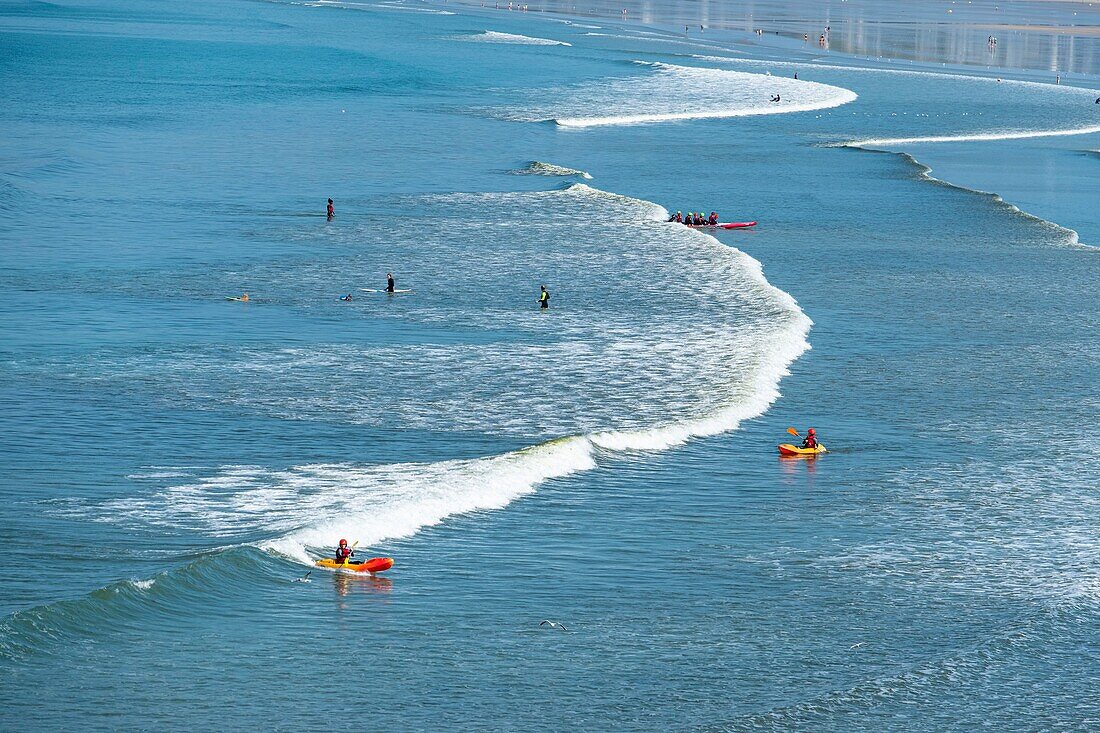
(389, 282)
(544, 298)
(796, 75)
(331, 209)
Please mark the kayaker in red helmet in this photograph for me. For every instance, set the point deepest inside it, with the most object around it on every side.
(811, 439)
(343, 552)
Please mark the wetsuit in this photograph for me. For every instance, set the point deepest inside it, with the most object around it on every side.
(713, 219)
(331, 210)
(544, 299)
(389, 285)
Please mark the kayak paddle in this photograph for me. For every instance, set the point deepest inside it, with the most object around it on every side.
(793, 432)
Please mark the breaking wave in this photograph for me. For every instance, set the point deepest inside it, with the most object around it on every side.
(538, 168)
(513, 38)
(970, 137)
(658, 96)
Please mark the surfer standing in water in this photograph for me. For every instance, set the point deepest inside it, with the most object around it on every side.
(389, 282)
(331, 210)
(544, 298)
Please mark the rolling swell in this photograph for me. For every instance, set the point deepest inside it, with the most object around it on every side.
(1063, 235)
(129, 604)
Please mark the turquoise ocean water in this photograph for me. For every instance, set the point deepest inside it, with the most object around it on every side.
(921, 289)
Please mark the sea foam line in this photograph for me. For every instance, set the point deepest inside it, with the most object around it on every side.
(511, 38)
(751, 90)
(975, 137)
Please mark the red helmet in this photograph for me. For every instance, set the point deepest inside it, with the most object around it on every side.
(343, 542)
(811, 431)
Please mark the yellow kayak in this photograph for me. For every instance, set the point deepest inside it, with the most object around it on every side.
(374, 565)
(786, 449)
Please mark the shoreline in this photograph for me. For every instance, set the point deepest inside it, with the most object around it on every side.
(785, 33)
(842, 61)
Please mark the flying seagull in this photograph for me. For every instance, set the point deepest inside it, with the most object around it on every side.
(304, 578)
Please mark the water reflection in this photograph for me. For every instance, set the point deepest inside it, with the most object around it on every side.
(1048, 36)
(347, 584)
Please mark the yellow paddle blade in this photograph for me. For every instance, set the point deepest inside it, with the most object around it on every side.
(793, 432)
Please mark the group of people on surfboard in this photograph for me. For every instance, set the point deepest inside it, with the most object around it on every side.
(695, 219)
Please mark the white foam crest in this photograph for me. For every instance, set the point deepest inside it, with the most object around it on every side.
(747, 399)
(539, 168)
(975, 137)
(393, 501)
(377, 6)
(715, 94)
(513, 38)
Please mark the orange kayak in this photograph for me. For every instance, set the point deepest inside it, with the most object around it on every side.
(786, 449)
(374, 565)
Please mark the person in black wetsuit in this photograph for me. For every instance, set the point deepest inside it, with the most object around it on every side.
(389, 282)
(331, 209)
(544, 298)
